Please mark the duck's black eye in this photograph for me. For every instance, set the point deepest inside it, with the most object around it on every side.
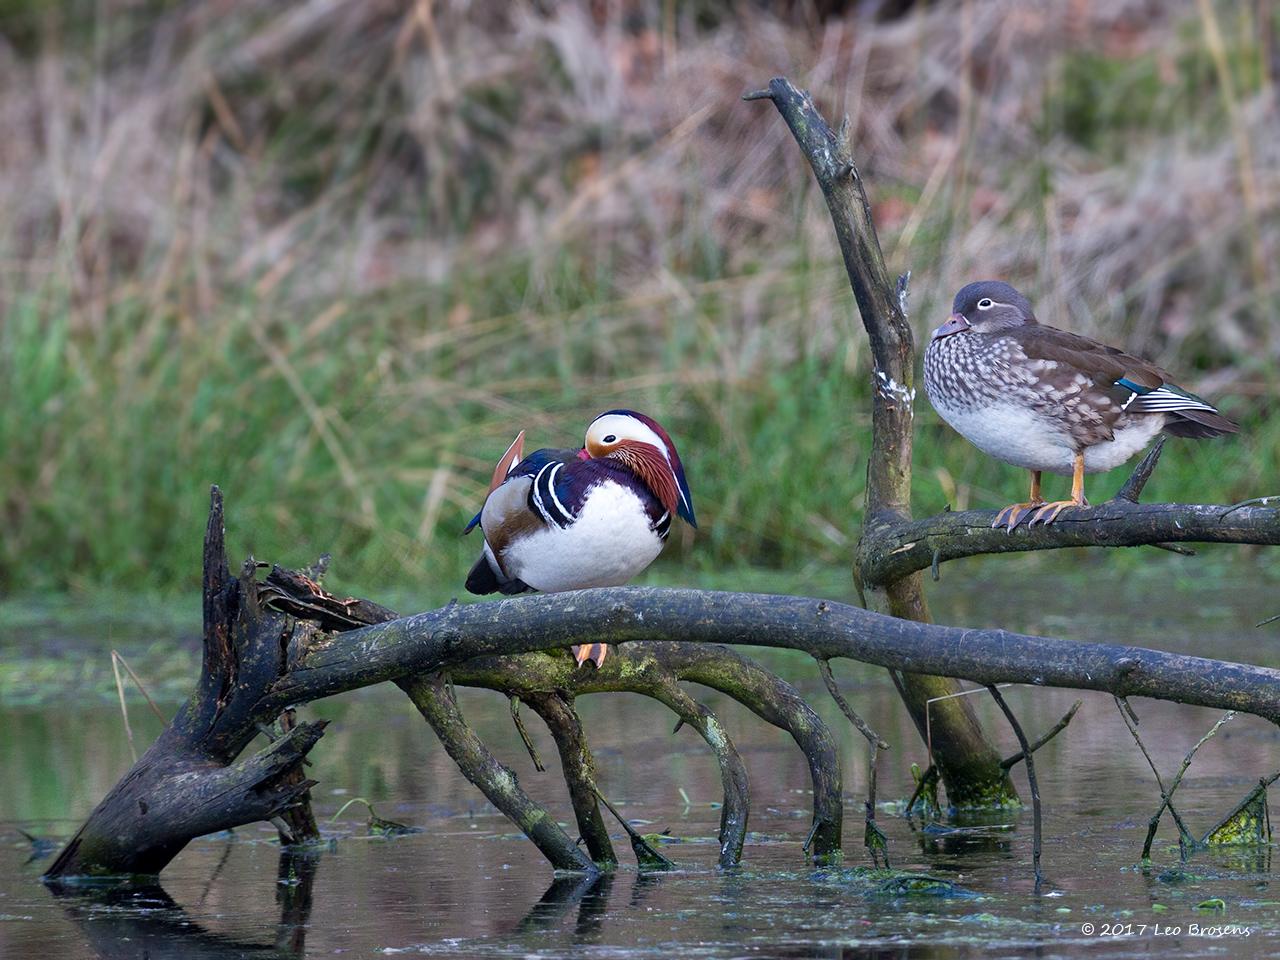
(984, 303)
(611, 439)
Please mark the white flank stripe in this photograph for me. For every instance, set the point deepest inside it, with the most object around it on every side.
(551, 489)
(537, 497)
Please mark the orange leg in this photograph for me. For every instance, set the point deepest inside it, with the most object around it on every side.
(1049, 512)
(1015, 511)
(595, 652)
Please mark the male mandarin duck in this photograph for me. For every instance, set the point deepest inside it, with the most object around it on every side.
(571, 519)
(1044, 399)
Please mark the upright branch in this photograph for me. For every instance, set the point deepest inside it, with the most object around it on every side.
(881, 303)
(969, 763)
(1028, 757)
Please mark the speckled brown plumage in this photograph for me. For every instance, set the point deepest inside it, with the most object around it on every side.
(1049, 400)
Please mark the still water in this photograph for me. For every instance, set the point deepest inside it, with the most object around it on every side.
(466, 886)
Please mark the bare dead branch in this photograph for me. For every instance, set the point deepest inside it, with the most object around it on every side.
(969, 764)
(1028, 756)
(1010, 761)
(1185, 839)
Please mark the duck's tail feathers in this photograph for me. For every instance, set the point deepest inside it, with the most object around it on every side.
(483, 579)
(1186, 415)
(1198, 424)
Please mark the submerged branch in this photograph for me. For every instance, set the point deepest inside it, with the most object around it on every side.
(435, 701)
(1028, 756)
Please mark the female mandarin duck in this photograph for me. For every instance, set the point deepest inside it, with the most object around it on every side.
(571, 519)
(1045, 399)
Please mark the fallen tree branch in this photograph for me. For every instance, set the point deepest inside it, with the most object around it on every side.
(824, 629)
(576, 761)
(638, 668)
(259, 661)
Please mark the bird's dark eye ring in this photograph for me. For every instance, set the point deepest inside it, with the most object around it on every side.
(984, 303)
(611, 439)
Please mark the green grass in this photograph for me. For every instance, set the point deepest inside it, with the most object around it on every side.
(372, 436)
(349, 289)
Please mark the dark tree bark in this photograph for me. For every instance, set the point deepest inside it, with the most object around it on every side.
(189, 782)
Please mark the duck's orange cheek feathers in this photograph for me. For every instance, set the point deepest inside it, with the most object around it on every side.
(652, 467)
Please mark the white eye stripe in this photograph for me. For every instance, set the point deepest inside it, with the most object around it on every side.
(985, 303)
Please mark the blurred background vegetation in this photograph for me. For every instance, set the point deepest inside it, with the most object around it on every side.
(333, 255)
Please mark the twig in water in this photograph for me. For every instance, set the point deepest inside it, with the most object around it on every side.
(1029, 759)
(1008, 762)
(524, 734)
(645, 853)
(873, 836)
(1185, 839)
(1154, 823)
(1268, 620)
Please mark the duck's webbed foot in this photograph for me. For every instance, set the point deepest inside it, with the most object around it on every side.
(595, 652)
(1049, 512)
(1015, 512)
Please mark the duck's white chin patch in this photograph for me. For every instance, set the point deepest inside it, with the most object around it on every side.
(609, 543)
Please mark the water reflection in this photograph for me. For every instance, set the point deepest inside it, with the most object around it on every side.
(131, 920)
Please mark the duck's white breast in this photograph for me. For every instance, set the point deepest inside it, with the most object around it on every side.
(1013, 434)
(609, 543)
(1018, 436)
